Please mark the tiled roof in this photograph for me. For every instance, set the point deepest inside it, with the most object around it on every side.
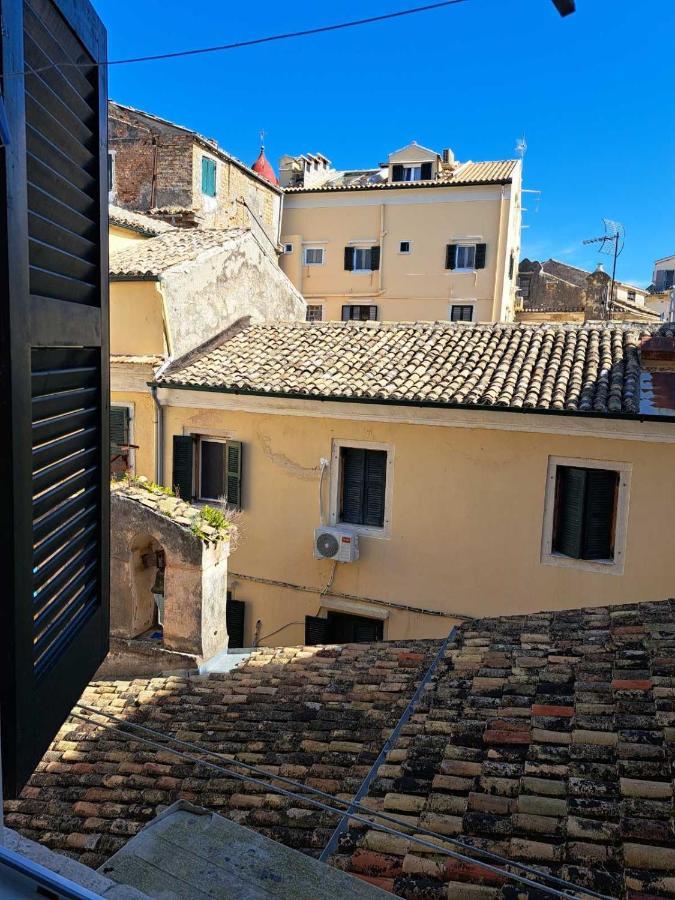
(465, 174)
(574, 368)
(548, 738)
(148, 259)
(135, 221)
(126, 359)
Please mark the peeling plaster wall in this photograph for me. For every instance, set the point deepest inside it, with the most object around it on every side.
(208, 294)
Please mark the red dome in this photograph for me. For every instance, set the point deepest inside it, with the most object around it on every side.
(264, 168)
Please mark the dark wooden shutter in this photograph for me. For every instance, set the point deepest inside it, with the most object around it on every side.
(54, 456)
(397, 173)
(367, 631)
(182, 478)
(353, 476)
(119, 428)
(234, 614)
(481, 250)
(601, 488)
(451, 256)
(426, 171)
(570, 499)
(233, 473)
(316, 631)
(349, 259)
(374, 258)
(374, 487)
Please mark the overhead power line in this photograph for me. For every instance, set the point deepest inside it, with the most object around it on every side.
(253, 42)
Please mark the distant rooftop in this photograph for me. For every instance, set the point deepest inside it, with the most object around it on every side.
(148, 259)
(137, 222)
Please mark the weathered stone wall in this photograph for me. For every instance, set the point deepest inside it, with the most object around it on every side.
(207, 295)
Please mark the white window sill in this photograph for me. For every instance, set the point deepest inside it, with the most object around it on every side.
(598, 566)
(370, 531)
(363, 271)
(462, 271)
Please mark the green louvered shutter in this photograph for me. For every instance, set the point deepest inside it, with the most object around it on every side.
(353, 475)
(183, 466)
(451, 256)
(481, 252)
(570, 500)
(601, 489)
(233, 473)
(316, 631)
(119, 429)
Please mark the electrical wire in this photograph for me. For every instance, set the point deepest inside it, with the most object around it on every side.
(348, 804)
(331, 809)
(237, 45)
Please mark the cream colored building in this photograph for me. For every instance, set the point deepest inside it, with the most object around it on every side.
(421, 237)
(453, 453)
(660, 300)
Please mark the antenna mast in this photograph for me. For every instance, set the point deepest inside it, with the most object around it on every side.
(612, 243)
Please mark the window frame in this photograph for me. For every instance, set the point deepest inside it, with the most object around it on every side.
(381, 533)
(460, 247)
(314, 306)
(414, 169)
(288, 248)
(550, 557)
(305, 250)
(359, 306)
(369, 270)
(405, 252)
(131, 457)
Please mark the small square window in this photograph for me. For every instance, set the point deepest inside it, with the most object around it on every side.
(288, 248)
(313, 256)
(461, 312)
(314, 312)
(404, 247)
(466, 256)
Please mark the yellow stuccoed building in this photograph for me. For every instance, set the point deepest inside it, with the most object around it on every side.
(421, 237)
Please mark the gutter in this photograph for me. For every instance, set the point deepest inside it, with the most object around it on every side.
(422, 404)
(147, 276)
(159, 436)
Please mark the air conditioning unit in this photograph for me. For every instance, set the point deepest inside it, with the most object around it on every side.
(338, 543)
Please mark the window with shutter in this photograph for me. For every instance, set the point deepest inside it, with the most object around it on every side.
(234, 473)
(208, 176)
(316, 631)
(119, 429)
(461, 312)
(54, 347)
(374, 258)
(359, 313)
(346, 629)
(480, 254)
(585, 512)
(363, 481)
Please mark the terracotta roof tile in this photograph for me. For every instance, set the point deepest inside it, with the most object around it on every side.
(570, 368)
(148, 259)
(548, 738)
(135, 221)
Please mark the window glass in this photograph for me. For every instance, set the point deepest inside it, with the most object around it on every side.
(466, 256)
(314, 312)
(362, 259)
(461, 313)
(412, 173)
(404, 247)
(212, 470)
(313, 256)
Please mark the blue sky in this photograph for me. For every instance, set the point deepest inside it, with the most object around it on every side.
(592, 93)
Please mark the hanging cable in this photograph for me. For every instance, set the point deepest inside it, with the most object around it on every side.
(253, 42)
(348, 804)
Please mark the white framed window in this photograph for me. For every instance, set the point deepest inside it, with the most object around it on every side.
(288, 248)
(412, 173)
(314, 312)
(361, 486)
(405, 247)
(461, 312)
(586, 514)
(313, 256)
(466, 257)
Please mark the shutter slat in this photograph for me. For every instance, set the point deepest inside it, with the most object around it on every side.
(60, 516)
(316, 631)
(56, 495)
(60, 537)
(58, 448)
(55, 184)
(353, 460)
(53, 259)
(52, 39)
(570, 496)
(233, 468)
(66, 468)
(601, 486)
(46, 152)
(183, 466)
(48, 585)
(57, 236)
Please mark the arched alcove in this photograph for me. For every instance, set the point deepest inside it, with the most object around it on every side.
(147, 562)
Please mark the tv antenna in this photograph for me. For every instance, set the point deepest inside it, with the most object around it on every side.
(612, 243)
(521, 147)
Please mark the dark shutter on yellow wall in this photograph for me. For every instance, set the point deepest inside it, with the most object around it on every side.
(601, 487)
(349, 259)
(397, 173)
(316, 631)
(233, 473)
(235, 612)
(374, 258)
(54, 454)
(451, 256)
(570, 494)
(183, 466)
(426, 171)
(585, 512)
(481, 250)
(119, 428)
